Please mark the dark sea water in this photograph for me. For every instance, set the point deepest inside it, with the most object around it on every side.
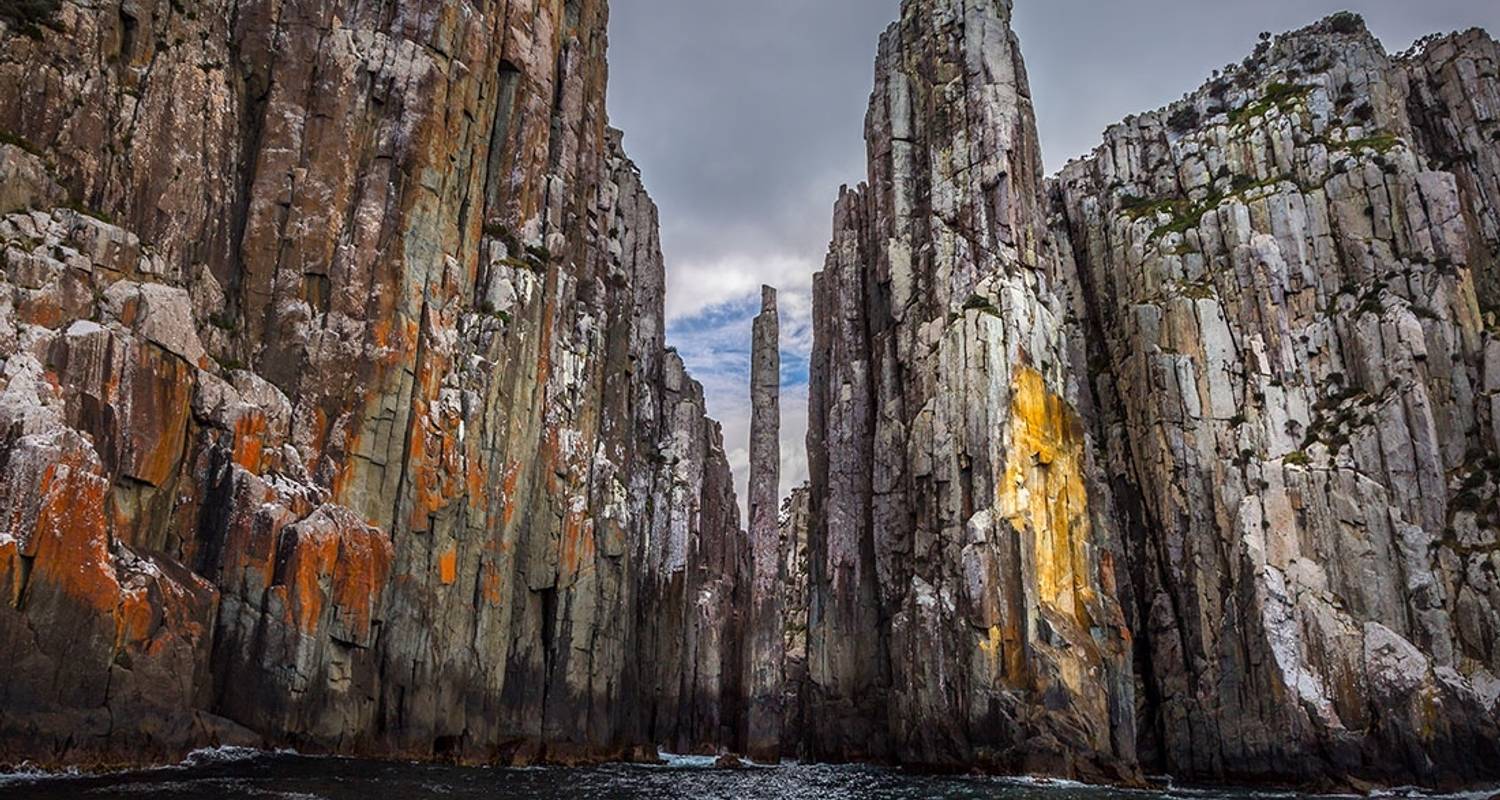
(230, 774)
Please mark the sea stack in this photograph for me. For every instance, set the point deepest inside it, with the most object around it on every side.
(766, 645)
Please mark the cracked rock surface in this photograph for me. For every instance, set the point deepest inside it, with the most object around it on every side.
(962, 551)
(335, 411)
(1183, 461)
(1290, 273)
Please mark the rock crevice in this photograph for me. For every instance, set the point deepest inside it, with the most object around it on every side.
(1176, 462)
(335, 379)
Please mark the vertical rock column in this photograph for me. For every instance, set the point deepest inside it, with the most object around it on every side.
(1290, 377)
(766, 647)
(796, 516)
(961, 607)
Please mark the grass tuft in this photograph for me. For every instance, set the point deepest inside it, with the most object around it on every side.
(1278, 96)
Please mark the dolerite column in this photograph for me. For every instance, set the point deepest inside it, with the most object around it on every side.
(764, 743)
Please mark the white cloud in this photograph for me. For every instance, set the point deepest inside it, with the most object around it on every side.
(693, 287)
(710, 310)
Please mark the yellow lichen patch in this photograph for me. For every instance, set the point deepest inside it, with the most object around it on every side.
(991, 647)
(1043, 493)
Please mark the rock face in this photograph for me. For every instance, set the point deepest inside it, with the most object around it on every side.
(335, 410)
(1184, 461)
(1290, 274)
(767, 648)
(794, 522)
(693, 608)
(962, 608)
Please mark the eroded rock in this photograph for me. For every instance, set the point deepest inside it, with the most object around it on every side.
(1285, 271)
(347, 324)
(963, 542)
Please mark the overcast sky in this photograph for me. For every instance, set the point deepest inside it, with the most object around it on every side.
(745, 116)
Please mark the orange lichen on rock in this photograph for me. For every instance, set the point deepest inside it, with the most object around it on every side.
(159, 409)
(577, 546)
(134, 617)
(380, 332)
(10, 571)
(475, 482)
(249, 441)
(251, 529)
(311, 560)
(508, 486)
(491, 583)
(359, 578)
(1043, 492)
(333, 558)
(71, 539)
(40, 309)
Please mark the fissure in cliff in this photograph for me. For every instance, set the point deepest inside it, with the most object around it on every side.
(397, 472)
(1176, 462)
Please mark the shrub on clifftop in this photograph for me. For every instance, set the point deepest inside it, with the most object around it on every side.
(1346, 23)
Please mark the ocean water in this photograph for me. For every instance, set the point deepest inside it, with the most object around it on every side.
(233, 774)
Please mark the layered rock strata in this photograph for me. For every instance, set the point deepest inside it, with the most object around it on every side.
(795, 519)
(1183, 461)
(767, 648)
(1290, 274)
(962, 602)
(335, 410)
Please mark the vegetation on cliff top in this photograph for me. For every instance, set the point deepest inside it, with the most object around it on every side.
(1278, 96)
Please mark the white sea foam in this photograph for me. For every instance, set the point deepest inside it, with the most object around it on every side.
(26, 773)
(223, 755)
(1040, 781)
(1417, 792)
(680, 761)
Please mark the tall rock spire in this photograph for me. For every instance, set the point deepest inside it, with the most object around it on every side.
(766, 645)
